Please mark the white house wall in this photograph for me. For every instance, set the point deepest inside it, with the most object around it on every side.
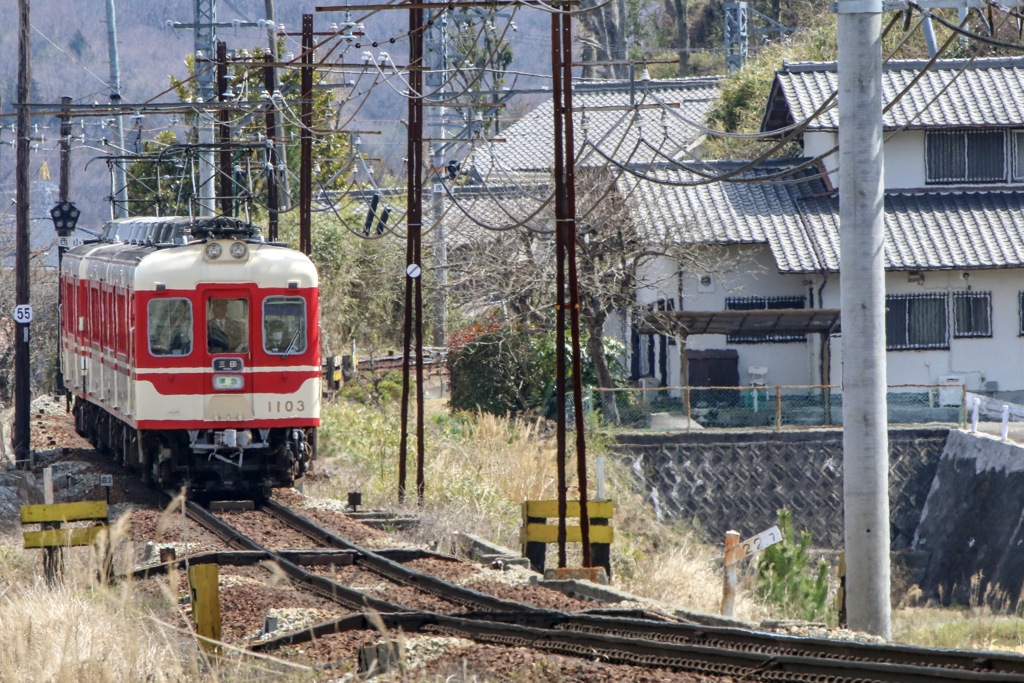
(749, 270)
(999, 358)
(743, 270)
(904, 158)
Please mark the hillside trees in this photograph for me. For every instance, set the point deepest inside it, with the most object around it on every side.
(169, 160)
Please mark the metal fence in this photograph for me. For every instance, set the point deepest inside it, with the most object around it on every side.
(771, 407)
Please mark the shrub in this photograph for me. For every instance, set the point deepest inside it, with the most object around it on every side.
(783, 577)
(500, 368)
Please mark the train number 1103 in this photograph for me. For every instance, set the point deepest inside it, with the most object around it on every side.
(285, 406)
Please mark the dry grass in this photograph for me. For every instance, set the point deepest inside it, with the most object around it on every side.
(87, 630)
(478, 470)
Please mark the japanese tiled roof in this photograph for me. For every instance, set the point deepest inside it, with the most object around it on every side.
(623, 120)
(951, 93)
(799, 219)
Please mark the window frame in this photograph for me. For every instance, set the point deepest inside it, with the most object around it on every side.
(967, 295)
(907, 344)
(191, 328)
(767, 301)
(281, 298)
(964, 135)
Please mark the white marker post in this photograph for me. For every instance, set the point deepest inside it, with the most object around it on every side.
(736, 551)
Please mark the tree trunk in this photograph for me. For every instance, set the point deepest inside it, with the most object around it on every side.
(595, 322)
(682, 36)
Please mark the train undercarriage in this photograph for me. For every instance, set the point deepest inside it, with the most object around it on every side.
(241, 461)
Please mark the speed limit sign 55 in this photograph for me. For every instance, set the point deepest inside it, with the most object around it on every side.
(23, 314)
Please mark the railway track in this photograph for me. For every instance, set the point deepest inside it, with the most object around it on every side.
(614, 639)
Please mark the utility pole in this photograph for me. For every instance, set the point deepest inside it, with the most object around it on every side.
(862, 292)
(413, 259)
(226, 183)
(566, 280)
(306, 138)
(271, 85)
(64, 196)
(205, 44)
(22, 358)
(120, 198)
(437, 63)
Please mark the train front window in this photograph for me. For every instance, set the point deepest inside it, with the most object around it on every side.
(227, 325)
(284, 325)
(170, 327)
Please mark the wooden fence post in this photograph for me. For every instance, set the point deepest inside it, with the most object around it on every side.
(53, 557)
(732, 546)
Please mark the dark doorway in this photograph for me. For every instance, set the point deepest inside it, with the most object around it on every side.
(713, 368)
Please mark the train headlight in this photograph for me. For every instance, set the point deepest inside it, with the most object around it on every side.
(214, 250)
(238, 250)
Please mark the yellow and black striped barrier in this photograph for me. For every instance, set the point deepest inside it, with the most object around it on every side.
(536, 533)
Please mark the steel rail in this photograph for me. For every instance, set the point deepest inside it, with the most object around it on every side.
(395, 571)
(736, 638)
(746, 665)
(320, 584)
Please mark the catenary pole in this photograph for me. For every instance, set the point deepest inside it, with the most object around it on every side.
(862, 292)
(22, 364)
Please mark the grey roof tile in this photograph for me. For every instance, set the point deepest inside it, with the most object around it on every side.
(799, 219)
(667, 120)
(953, 93)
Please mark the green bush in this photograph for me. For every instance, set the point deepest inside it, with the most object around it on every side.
(784, 579)
(503, 369)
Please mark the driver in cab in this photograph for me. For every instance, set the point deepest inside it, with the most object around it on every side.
(224, 334)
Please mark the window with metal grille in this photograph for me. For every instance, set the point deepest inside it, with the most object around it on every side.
(1018, 155)
(972, 314)
(916, 321)
(958, 156)
(1020, 311)
(763, 303)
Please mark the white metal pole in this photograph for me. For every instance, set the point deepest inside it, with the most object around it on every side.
(1004, 429)
(974, 414)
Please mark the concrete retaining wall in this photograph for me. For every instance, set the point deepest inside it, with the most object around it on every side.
(738, 480)
(972, 524)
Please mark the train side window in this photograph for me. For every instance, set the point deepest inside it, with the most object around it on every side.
(170, 327)
(284, 325)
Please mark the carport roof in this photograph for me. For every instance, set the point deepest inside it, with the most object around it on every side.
(778, 321)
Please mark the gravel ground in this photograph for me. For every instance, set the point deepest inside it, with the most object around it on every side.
(249, 595)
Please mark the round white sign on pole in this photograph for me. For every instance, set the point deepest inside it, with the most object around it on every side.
(23, 314)
(413, 270)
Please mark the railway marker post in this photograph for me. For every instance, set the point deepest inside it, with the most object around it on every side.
(736, 551)
(203, 587)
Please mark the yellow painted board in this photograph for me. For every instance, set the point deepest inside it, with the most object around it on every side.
(64, 512)
(599, 509)
(203, 580)
(54, 538)
(548, 533)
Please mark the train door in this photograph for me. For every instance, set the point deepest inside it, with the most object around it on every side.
(228, 343)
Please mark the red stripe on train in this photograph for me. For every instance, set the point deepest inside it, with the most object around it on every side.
(189, 383)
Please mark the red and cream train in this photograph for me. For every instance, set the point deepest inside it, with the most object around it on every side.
(191, 347)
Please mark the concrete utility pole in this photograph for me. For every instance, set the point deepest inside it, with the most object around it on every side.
(862, 291)
(436, 58)
(205, 44)
(120, 203)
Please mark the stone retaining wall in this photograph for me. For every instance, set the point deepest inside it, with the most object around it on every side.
(738, 480)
